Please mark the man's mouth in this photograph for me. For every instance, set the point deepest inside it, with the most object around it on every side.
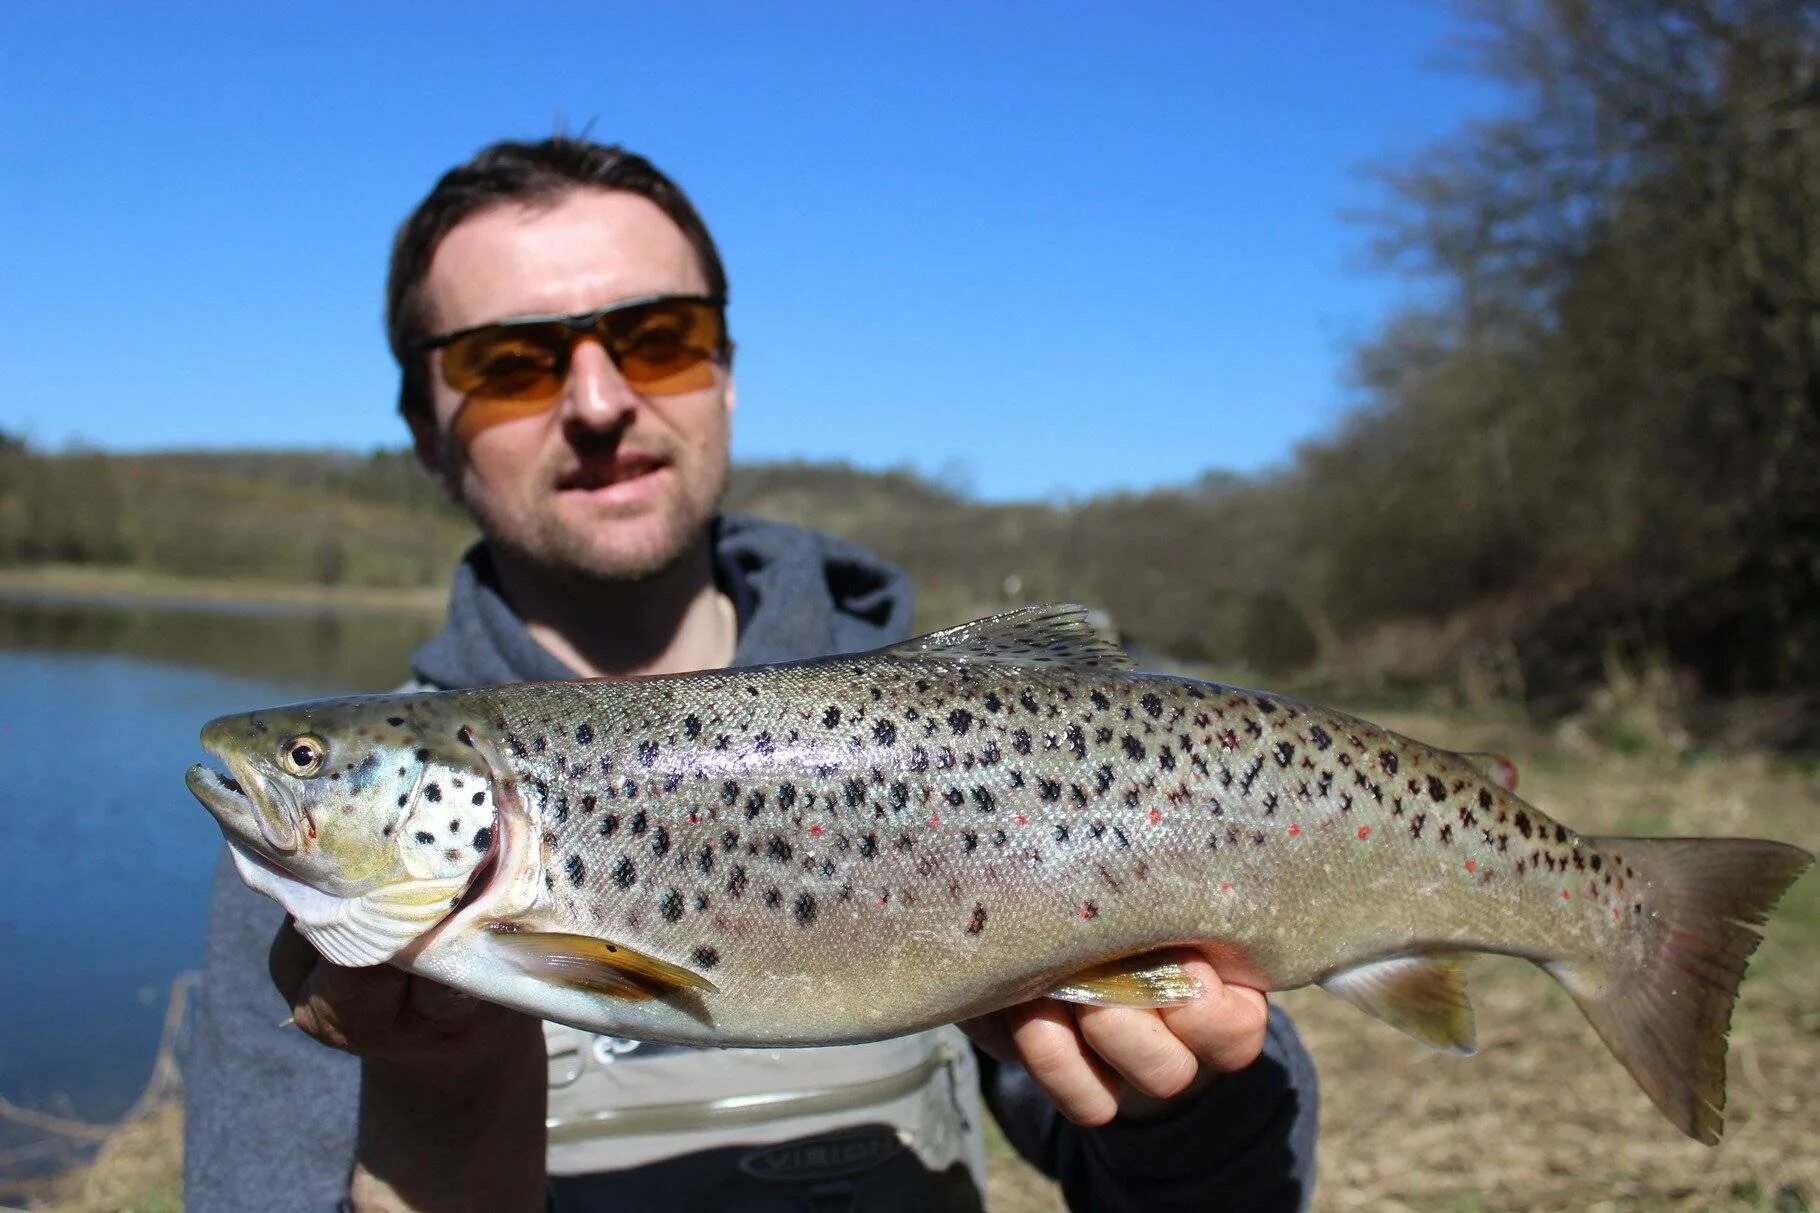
(604, 473)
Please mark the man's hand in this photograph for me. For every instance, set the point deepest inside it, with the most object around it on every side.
(452, 1089)
(1100, 1062)
(385, 1015)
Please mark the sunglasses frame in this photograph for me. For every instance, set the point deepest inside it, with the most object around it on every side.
(588, 323)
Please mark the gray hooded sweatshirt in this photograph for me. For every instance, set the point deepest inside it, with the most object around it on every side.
(270, 1116)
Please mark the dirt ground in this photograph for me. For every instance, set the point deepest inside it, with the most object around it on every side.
(1544, 1118)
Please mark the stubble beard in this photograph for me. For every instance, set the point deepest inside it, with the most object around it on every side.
(610, 551)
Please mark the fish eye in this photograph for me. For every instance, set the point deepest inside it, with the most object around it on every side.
(304, 755)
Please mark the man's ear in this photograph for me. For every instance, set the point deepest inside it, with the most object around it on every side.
(426, 444)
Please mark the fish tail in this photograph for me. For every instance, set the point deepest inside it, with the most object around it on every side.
(1665, 1014)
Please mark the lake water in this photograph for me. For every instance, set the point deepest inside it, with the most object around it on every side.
(106, 858)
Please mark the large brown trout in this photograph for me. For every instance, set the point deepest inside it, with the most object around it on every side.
(860, 847)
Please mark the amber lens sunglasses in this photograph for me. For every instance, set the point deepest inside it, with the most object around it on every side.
(662, 344)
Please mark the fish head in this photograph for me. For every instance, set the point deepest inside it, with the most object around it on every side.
(366, 818)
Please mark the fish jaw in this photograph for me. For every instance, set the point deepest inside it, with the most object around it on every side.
(245, 804)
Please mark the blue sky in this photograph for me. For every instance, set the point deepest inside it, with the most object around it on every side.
(1046, 249)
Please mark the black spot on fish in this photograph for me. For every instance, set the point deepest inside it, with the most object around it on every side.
(483, 838)
(773, 898)
(977, 921)
(1320, 737)
(691, 726)
(868, 846)
(954, 797)
(1285, 753)
(1560, 833)
(1388, 760)
(660, 842)
(704, 861)
(671, 907)
(1077, 741)
(993, 702)
(736, 882)
(804, 908)
(778, 849)
(584, 733)
(432, 792)
(1152, 704)
(705, 957)
(959, 721)
(1264, 705)
(576, 869)
(425, 837)
(1134, 749)
(831, 717)
(755, 804)
(1165, 759)
(900, 794)
(1061, 833)
(1251, 773)
(396, 722)
(1437, 791)
(786, 795)
(983, 799)
(1028, 700)
(647, 752)
(638, 823)
(1020, 741)
(884, 732)
(729, 792)
(1103, 776)
(969, 842)
(854, 793)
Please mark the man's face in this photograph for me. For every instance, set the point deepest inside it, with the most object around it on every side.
(605, 482)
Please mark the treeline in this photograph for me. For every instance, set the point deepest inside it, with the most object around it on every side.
(1597, 439)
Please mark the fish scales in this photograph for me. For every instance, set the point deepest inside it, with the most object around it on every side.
(864, 846)
(994, 824)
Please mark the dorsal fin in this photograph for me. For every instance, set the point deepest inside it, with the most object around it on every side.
(1058, 637)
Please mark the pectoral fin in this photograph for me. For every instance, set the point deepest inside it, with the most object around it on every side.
(592, 964)
(1130, 981)
(1424, 996)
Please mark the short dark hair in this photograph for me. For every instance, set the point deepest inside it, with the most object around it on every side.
(511, 171)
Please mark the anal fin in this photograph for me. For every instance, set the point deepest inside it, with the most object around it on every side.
(592, 964)
(1131, 981)
(1423, 996)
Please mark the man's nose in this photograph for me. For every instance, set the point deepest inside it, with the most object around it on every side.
(596, 394)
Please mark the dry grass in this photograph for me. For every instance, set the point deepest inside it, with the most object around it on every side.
(1543, 1118)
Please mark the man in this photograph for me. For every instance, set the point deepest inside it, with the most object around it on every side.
(557, 310)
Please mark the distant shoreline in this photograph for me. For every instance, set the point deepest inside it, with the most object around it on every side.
(105, 585)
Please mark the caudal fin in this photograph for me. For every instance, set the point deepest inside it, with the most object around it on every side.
(1666, 1015)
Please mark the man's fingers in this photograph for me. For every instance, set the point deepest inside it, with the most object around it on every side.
(352, 1009)
(1141, 1048)
(1225, 1027)
(1050, 1046)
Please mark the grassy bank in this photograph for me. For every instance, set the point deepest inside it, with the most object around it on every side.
(124, 585)
(1543, 1118)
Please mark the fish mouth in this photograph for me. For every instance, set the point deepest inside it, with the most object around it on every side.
(239, 797)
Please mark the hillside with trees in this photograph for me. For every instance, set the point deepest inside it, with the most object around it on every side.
(1594, 444)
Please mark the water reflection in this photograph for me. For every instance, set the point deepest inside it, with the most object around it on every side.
(315, 649)
(105, 873)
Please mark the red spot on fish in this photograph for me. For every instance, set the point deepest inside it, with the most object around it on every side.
(1089, 910)
(1616, 913)
(1471, 866)
(1566, 896)
(1364, 833)
(1225, 886)
(1021, 819)
(815, 831)
(1156, 815)
(694, 817)
(934, 821)
(1295, 831)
